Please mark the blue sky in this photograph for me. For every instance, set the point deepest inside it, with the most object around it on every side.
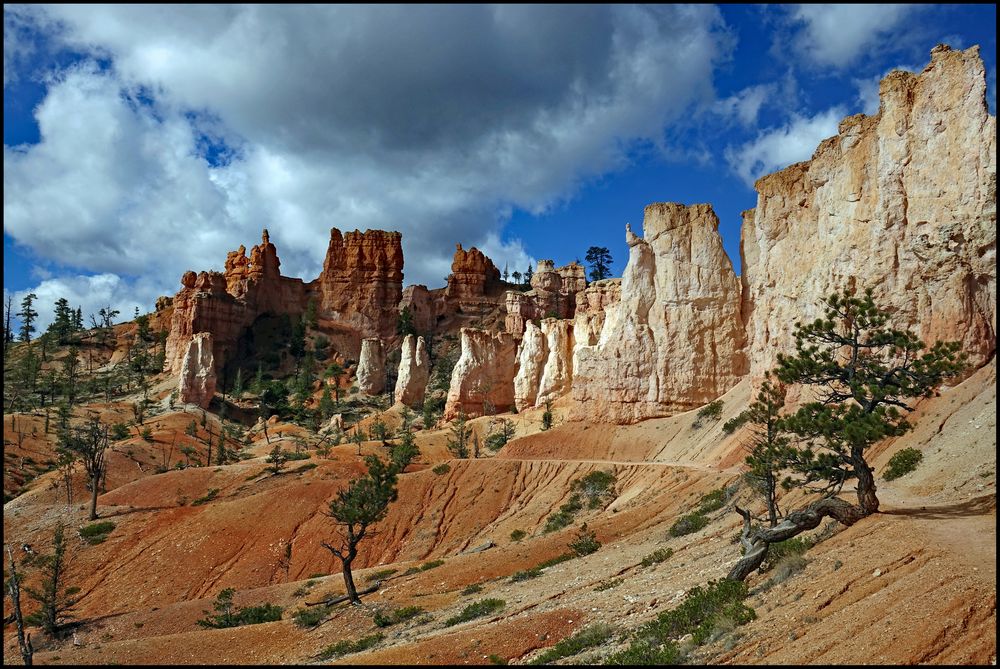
(143, 141)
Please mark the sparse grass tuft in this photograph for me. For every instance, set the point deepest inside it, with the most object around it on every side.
(380, 574)
(477, 610)
(657, 556)
(209, 496)
(346, 647)
(382, 619)
(688, 524)
(96, 533)
(431, 565)
(607, 585)
(595, 635)
(311, 616)
(472, 589)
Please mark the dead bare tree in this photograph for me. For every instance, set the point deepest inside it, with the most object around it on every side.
(14, 590)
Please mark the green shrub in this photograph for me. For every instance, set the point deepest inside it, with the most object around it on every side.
(585, 542)
(97, 532)
(442, 468)
(301, 455)
(380, 574)
(431, 565)
(711, 411)
(782, 549)
(701, 612)
(734, 424)
(559, 559)
(382, 619)
(657, 556)
(596, 487)
(607, 585)
(564, 517)
(477, 610)
(595, 635)
(517, 535)
(227, 615)
(902, 462)
(688, 524)
(534, 572)
(713, 501)
(472, 589)
(119, 431)
(209, 496)
(346, 647)
(311, 616)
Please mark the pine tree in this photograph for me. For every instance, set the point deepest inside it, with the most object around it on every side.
(62, 325)
(53, 596)
(458, 444)
(90, 443)
(863, 369)
(599, 259)
(27, 316)
(365, 502)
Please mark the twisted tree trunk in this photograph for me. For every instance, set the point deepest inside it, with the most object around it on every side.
(757, 540)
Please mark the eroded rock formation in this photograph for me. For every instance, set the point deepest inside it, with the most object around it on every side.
(473, 276)
(414, 372)
(197, 377)
(371, 367)
(557, 375)
(552, 295)
(903, 202)
(531, 357)
(675, 339)
(484, 373)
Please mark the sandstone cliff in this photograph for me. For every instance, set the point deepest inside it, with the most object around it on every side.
(675, 338)
(904, 202)
(472, 277)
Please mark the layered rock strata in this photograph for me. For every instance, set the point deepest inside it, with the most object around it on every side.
(414, 372)
(197, 376)
(357, 294)
(483, 377)
(675, 339)
(473, 277)
(371, 367)
(903, 202)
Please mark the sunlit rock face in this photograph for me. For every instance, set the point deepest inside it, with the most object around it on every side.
(414, 372)
(371, 367)
(903, 202)
(484, 374)
(674, 339)
(197, 375)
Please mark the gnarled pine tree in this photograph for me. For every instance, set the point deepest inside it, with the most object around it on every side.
(864, 369)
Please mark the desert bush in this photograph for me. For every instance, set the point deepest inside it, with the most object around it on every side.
(227, 615)
(902, 462)
(472, 589)
(591, 636)
(698, 615)
(713, 501)
(657, 556)
(585, 542)
(346, 647)
(596, 487)
(477, 610)
(607, 585)
(209, 496)
(97, 532)
(564, 517)
(431, 565)
(311, 616)
(688, 524)
(534, 572)
(380, 574)
(709, 412)
(387, 619)
(517, 535)
(784, 569)
(442, 468)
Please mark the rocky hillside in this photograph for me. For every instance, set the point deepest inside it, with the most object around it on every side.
(600, 395)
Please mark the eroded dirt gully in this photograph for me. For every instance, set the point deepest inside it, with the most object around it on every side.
(916, 583)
